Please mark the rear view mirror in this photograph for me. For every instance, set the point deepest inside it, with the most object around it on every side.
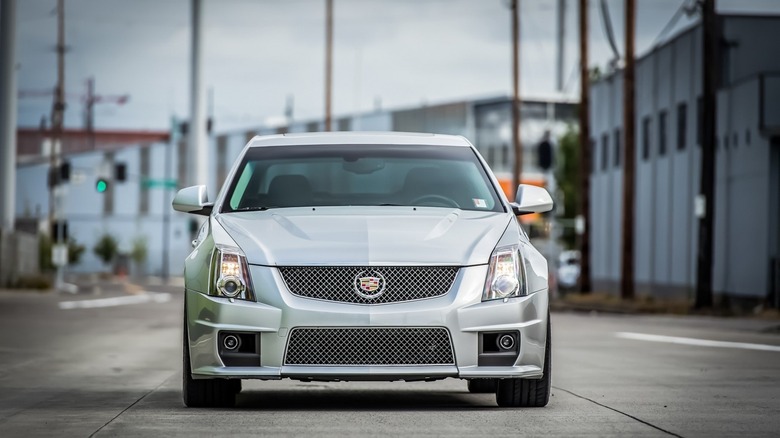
(531, 199)
(193, 200)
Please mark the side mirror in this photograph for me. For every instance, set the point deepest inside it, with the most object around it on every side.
(531, 199)
(193, 200)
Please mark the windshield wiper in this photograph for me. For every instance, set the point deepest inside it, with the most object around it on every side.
(251, 208)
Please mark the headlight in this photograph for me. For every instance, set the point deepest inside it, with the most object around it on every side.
(506, 274)
(231, 274)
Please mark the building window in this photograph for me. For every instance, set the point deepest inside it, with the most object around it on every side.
(646, 138)
(662, 133)
(617, 148)
(491, 158)
(682, 125)
(699, 120)
(143, 206)
(604, 151)
(726, 141)
(747, 137)
(736, 140)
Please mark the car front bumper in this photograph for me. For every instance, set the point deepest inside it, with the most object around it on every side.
(277, 312)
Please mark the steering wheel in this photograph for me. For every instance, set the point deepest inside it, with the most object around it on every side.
(436, 200)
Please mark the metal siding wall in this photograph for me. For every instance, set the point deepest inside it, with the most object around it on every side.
(643, 226)
(663, 186)
(616, 184)
(681, 199)
(747, 181)
(746, 35)
(720, 274)
(694, 166)
(598, 110)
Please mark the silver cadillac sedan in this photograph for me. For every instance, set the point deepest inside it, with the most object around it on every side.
(364, 256)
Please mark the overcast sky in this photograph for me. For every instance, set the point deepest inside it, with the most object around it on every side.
(257, 52)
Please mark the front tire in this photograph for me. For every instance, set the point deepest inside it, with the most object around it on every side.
(528, 393)
(205, 393)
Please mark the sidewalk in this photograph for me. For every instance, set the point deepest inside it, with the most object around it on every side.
(97, 284)
(607, 303)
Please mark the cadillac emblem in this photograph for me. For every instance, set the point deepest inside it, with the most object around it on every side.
(369, 284)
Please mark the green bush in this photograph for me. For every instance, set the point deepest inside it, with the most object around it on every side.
(40, 282)
(75, 251)
(106, 248)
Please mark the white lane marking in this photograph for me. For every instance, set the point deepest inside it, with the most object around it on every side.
(697, 342)
(146, 297)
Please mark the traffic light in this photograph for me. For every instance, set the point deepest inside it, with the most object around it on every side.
(120, 172)
(59, 175)
(56, 227)
(65, 171)
(545, 155)
(101, 185)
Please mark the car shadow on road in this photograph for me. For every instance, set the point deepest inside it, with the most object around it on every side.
(361, 400)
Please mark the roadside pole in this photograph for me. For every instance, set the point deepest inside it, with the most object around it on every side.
(517, 145)
(328, 63)
(56, 207)
(173, 140)
(7, 114)
(585, 155)
(629, 155)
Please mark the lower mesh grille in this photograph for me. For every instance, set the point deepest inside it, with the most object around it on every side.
(369, 346)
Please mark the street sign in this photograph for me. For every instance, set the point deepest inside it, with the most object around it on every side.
(59, 255)
(159, 183)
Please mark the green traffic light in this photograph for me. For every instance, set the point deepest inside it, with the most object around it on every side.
(101, 185)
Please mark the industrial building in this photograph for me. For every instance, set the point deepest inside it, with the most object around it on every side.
(155, 165)
(668, 158)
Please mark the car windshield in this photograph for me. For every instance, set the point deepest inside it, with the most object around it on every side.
(347, 175)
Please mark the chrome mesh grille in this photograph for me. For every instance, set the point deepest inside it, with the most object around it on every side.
(369, 346)
(395, 283)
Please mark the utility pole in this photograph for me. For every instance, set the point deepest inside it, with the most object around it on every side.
(196, 141)
(629, 164)
(328, 62)
(89, 122)
(707, 189)
(90, 100)
(7, 114)
(57, 120)
(561, 45)
(517, 169)
(585, 153)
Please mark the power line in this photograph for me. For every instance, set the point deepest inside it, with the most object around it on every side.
(684, 8)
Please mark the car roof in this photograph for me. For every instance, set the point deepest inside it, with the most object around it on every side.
(361, 137)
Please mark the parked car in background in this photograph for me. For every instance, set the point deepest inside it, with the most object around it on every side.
(364, 256)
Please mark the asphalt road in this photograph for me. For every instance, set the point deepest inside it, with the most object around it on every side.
(69, 368)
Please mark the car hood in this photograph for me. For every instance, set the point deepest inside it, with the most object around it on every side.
(365, 235)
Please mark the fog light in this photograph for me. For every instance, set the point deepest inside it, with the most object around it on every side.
(231, 342)
(506, 342)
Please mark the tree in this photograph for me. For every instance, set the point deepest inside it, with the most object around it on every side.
(106, 248)
(567, 174)
(75, 251)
